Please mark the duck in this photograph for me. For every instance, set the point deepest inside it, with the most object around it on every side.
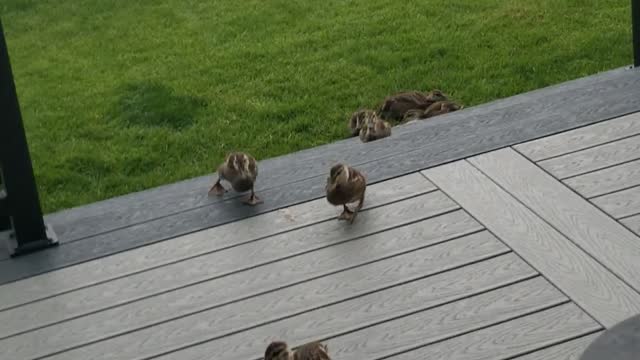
(357, 120)
(279, 350)
(437, 108)
(241, 170)
(374, 128)
(346, 185)
(395, 107)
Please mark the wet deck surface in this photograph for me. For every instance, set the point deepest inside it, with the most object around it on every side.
(527, 251)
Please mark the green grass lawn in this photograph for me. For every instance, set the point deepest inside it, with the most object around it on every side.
(119, 95)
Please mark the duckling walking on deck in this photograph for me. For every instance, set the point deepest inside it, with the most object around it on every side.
(279, 350)
(346, 185)
(241, 170)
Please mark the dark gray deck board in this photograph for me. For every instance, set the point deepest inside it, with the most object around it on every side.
(442, 139)
(592, 230)
(574, 271)
(369, 310)
(242, 315)
(570, 350)
(607, 181)
(582, 138)
(511, 338)
(592, 159)
(254, 273)
(620, 204)
(285, 230)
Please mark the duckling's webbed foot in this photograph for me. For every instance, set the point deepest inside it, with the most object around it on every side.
(346, 214)
(253, 199)
(217, 189)
(355, 212)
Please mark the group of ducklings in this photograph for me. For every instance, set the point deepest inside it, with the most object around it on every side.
(398, 109)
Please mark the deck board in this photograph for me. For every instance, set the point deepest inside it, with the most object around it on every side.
(570, 350)
(361, 283)
(607, 181)
(511, 338)
(582, 138)
(585, 225)
(632, 223)
(593, 159)
(580, 276)
(300, 177)
(204, 292)
(620, 204)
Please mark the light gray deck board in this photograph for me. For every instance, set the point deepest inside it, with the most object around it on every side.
(594, 158)
(570, 350)
(620, 204)
(239, 285)
(510, 338)
(607, 180)
(240, 315)
(366, 311)
(632, 223)
(581, 138)
(199, 243)
(580, 276)
(446, 321)
(602, 237)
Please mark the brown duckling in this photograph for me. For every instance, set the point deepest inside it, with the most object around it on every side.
(395, 107)
(344, 186)
(279, 350)
(437, 108)
(358, 119)
(241, 171)
(374, 128)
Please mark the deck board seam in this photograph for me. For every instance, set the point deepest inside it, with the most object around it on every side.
(526, 261)
(609, 192)
(589, 147)
(591, 332)
(594, 170)
(254, 295)
(558, 230)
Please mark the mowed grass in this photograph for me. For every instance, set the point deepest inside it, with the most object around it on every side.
(118, 96)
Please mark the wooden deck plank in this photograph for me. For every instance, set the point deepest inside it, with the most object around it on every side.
(443, 322)
(581, 138)
(576, 273)
(254, 311)
(570, 350)
(592, 159)
(428, 322)
(445, 138)
(205, 290)
(620, 204)
(603, 238)
(511, 338)
(420, 295)
(584, 97)
(633, 223)
(607, 180)
(199, 243)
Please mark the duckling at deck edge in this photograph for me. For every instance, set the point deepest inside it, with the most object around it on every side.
(279, 350)
(239, 169)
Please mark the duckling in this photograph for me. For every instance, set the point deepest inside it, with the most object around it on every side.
(346, 185)
(374, 128)
(241, 171)
(394, 107)
(437, 108)
(279, 350)
(357, 120)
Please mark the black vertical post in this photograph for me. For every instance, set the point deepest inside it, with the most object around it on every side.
(21, 204)
(635, 24)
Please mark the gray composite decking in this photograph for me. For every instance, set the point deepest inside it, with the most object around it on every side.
(138, 219)
(525, 251)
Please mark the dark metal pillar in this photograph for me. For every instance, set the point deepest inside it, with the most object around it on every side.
(635, 24)
(21, 204)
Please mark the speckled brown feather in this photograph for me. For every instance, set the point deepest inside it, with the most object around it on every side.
(374, 128)
(441, 107)
(358, 119)
(240, 170)
(312, 351)
(395, 107)
(345, 185)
